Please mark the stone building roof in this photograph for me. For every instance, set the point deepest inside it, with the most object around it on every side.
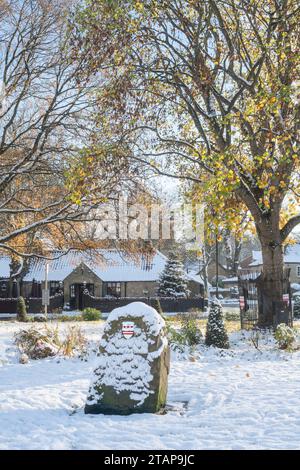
(108, 265)
(292, 255)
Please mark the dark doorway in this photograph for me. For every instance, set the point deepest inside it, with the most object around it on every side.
(76, 295)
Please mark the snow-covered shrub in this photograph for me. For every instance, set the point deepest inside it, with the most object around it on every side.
(40, 318)
(285, 336)
(173, 281)
(21, 309)
(189, 334)
(297, 307)
(91, 314)
(216, 334)
(39, 343)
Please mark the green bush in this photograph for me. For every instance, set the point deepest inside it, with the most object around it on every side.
(232, 316)
(189, 334)
(216, 334)
(66, 318)
(285, 336)
(91, 314)
(21, 309)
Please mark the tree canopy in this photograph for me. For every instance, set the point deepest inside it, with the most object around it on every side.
(208, 92)
(52, 175)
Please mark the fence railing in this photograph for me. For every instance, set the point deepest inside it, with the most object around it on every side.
(8, 305)
(106, 305)
(253, 300)
(168, 304)
(33, 305)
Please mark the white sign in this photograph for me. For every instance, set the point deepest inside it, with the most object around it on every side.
(127, 329)
(45, 297)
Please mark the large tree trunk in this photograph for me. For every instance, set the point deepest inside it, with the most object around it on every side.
(271, 286)
(272, 309)
(272, 282)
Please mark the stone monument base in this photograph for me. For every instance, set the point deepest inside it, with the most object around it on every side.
(134, 361)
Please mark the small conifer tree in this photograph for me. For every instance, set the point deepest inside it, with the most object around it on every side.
(21, 309)
(216, 334)
(173, 282)
(297, 307)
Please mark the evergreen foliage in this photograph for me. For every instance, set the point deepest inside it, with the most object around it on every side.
(21, 309)
(285, 336)
(173, 282)
(189, 333)
(216, 334)
(297, 307)
(91, 314)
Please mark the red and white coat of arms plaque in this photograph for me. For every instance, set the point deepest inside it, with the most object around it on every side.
(127, 329)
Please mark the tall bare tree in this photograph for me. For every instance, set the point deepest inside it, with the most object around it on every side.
(52, 178)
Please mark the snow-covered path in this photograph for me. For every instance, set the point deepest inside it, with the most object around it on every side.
(238, 399)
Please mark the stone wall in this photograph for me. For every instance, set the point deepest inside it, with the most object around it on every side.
(137, 288)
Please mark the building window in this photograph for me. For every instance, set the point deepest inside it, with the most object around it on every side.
(55, 287)
(298, 271)
(72, 291)
(114, 289)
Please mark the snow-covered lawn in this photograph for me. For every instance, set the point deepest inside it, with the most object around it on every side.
(220, 400)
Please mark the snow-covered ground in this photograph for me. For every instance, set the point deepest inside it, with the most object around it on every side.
(237, 399)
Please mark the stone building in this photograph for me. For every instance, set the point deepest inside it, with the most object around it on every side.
(104, 273)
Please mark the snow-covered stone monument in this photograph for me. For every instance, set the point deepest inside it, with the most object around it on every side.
(134, 360)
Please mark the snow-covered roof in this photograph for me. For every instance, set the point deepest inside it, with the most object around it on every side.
(230, 279)
(292, 255)
(195, 276)
(257, 258)
(4, 267)
(108, 265)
